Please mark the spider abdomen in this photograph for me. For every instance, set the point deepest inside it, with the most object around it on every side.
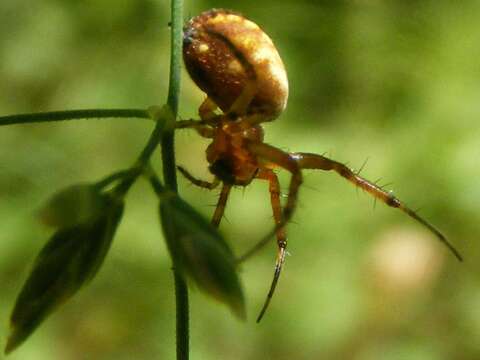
(223, 52)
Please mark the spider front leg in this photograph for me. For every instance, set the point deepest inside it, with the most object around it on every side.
(197, 182)
(314, 161)
(222, 200)
(200, 126)
(208, 117)
(274, 188)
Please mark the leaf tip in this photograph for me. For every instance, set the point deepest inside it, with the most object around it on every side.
(238, 308)
(15, 338)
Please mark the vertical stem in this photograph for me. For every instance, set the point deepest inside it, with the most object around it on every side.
(176, 32)
(167, 141)
(182, 315)
(169, 170)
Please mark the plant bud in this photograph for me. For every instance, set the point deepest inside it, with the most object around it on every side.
(68, 261)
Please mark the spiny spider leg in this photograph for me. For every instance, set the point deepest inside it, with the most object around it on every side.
(314, 161)
(197, 182)
(274, 188)
(221, 204)
(276, 158)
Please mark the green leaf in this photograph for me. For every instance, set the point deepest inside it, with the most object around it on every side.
(74, 205)
(199, 251)
(67, 262)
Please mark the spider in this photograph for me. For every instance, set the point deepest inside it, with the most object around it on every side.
(237, 65)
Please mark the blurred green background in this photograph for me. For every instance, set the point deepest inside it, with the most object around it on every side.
(394, 82)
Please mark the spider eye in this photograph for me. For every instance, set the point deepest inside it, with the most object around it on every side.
(223, 52)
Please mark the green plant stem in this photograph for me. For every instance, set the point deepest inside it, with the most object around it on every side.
(155, 182)
(73, 115)
(169, 170)
(176, 33)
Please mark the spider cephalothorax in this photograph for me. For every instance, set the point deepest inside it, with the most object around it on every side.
(236, 64)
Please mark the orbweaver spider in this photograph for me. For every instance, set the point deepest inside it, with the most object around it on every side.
(236, 64)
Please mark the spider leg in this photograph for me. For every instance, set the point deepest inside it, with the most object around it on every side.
(274, 188)
(221, 204)
(276, 158)
(200, 183)
(240, 106)
(314, 161)
(207, 115)
(200, 126)
(207, 109)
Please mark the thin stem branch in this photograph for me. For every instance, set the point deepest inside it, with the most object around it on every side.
(152, 143)
(155, 182)
(119, 175)
(73, 115)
